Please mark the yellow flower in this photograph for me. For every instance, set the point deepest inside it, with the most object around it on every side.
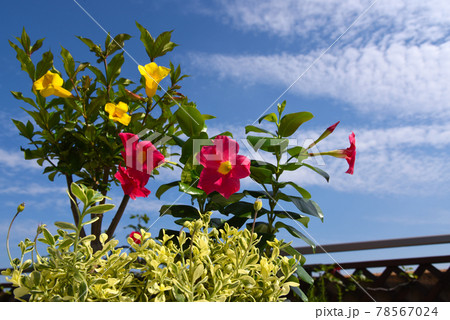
(118, 112)
(153, 75)
(51, 83)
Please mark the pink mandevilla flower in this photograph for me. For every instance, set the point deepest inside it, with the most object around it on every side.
(223, 167)
(136, 236)
(350, 153)
(133, 182)
(140, 155)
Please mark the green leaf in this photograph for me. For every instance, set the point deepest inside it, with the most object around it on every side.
(65, 225)
(242, 209)
(272, 117)
(179, 211)
(190, 120)
(164, 187)
(291, 122)
(307, 206)
(162, 45)
(19, 96)
(290, 250)
(25, 62)
(304, 275)
(300, 293)
(117, 43)
(90, 221)
(45, 64)
(114, 67)
(295, 233)
(78, 192)
(48, 236)
(100, 208)
(207, 117)
(319, 171)
(25, 41)
(256, 129)
(37, 45)
(292, 215)
(69, 63)
(100, 77)
(305, 194)
(191, 190)
(146, 39)
(261, 175)
(268, 144)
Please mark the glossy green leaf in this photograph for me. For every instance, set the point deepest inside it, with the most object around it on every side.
(114, 67)
(65, 225)
(293, 231)
(19, 96)
(319, 171)
(193, 191)
(256, 129)
(305, 194)
(307, 206)
(261, 175)
(100, 208)
(302, 274)
(79, 193)
(272, 117)
(179, 211)
(268, 144)
(90, 221)
(292, 215)
(69, 63)
(45, 64)
(190, 120)
(164, 187)
(291, 122)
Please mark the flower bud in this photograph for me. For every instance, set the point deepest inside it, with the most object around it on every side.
(257, 205)
(21, 207)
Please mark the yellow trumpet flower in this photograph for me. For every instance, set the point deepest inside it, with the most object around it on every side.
(118, 112)
(51, 84)
(153, 75)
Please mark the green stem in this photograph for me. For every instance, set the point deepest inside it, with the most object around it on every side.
(9, 230)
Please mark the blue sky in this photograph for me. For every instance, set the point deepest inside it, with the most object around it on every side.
(386, 79)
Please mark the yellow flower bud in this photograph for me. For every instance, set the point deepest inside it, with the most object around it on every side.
(21, 207)
(257, 205)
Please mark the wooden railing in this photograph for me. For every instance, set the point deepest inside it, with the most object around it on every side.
(429, 283)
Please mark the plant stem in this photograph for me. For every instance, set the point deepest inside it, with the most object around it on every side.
(73, 206)
(7, 237)
(115, 221)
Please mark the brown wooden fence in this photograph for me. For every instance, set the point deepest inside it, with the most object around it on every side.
(424, 282)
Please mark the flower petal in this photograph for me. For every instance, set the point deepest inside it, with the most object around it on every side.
(61, 92)
(228, 186)
(242, 167)
(208, 178)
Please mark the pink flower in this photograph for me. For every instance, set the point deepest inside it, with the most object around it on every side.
(223, 167)
(140, 155)
(330, 129)
(133, 182)
(349, 154)
(136, 236)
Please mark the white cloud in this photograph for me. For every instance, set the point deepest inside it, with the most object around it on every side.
(15, 160)
(30, 189)
(325, 20)
(393, 61)
(401, 81)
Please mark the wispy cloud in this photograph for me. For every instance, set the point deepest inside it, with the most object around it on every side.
(14, 160)
(399, 80)
(392, 63)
